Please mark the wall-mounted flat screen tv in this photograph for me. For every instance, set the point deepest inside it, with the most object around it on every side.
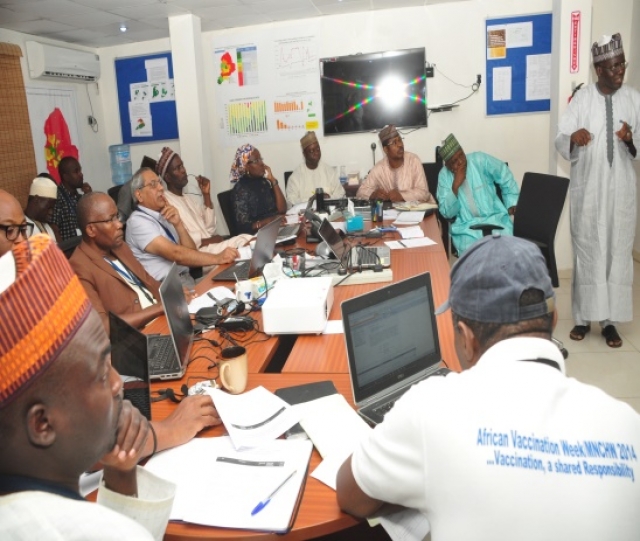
(364, 92)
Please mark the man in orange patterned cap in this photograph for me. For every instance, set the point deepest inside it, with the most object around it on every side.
(61, 410)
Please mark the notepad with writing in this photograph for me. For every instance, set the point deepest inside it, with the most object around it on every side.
(298, 394)
(220, 486)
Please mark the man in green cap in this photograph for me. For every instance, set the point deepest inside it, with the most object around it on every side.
(467, 192)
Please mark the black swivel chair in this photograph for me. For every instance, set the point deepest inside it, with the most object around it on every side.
(226, 205)
(538, 212)
(431, 171)
(287, 174)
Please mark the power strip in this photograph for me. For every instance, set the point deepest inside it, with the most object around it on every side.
(364, 277)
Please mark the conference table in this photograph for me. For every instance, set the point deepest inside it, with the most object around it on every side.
(312, 358)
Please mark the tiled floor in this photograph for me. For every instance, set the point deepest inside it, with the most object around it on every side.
(616, 371)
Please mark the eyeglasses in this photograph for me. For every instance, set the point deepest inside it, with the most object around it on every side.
(12, 231)
(621, 66)
(395, 142)
(113, 219)
(255, 160)
(153, 184)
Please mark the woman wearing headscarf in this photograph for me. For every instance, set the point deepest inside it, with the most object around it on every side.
(256, 197)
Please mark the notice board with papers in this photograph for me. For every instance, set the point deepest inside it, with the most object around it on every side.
(518, 65)
(146, 99)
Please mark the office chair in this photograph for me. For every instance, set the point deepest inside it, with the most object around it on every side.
(287, 174)
(431, 171)
(538, 212)
(114, 191)
(226, 205)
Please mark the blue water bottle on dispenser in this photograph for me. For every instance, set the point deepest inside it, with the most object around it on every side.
(120, 164)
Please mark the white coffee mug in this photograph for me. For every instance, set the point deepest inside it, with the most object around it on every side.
(234, 370)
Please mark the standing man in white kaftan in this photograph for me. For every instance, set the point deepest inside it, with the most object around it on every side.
(597, 133)
(312, 174)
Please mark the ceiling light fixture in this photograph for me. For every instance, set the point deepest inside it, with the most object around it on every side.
(123, 27)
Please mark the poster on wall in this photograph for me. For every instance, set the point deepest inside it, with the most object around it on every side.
(267, 89)
(53, 117)
(518, 61)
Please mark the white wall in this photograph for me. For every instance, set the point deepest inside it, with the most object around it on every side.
(453, 34)
(94, 153)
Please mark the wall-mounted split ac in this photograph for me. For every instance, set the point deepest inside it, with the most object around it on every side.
(51, 62)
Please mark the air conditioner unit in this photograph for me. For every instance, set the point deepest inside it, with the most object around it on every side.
(49, 61)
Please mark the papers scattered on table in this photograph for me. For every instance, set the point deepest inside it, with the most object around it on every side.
(245, 252)
(409, 243)
(405, 525)
(203, 301)
(335, 429)
(254, 418)
(414, 206)
(334, 326)
(414, 232)
(409, 218)
(390, 214)
(220, 486)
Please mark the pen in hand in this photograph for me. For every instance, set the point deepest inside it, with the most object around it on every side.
(264, 502)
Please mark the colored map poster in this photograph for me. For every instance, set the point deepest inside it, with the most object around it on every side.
(267, 89)
(237, 66)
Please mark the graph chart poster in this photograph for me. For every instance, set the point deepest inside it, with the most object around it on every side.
(268, 89)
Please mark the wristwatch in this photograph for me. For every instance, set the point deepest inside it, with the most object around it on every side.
(275, 182)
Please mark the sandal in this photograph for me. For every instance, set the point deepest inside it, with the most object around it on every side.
(579, 332)
(611, 336)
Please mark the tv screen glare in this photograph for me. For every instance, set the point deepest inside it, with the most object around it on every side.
(365, 92)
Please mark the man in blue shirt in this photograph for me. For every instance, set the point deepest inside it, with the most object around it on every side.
(467, 192)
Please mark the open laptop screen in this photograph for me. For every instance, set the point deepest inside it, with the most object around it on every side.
(391, 335)
(177, 312)
(265, 246)
(332, 238)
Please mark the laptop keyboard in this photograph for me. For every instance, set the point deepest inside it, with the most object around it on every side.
(383, 409)
(240, 270)
(140, 399)
(162, 356)
(288, 230)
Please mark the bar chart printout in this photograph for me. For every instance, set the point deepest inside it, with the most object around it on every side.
(247, 117)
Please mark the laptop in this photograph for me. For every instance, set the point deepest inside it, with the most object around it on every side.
(129, 358)
(262, 254)
(392, 342)
(287, 234)
(353, 257)
(167, 356)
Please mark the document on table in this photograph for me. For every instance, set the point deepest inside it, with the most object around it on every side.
(405, 525)
(409, 243)
(253, 418)
(220, 486)
(205, 301)
(410, 217)
(335, 429)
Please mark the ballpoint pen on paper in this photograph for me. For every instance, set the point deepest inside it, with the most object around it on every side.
(264, 502)
(402, 244)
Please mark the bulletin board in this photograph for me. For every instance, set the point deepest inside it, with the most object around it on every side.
(163, 116)
(518, 68)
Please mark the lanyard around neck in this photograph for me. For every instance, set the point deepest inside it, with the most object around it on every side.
(166, 229)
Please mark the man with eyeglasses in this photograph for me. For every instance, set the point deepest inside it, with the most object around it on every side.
(113, 278)
(399, 176)
(158, 237)
(14, 227)
(597, 134)
(196, 210)
(467, 192)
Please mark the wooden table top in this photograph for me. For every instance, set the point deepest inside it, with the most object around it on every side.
(327, 353)
(319, 513)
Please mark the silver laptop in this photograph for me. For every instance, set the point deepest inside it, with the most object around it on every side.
(358, 257)
(392, 343)
(262, 254)
(288, 234)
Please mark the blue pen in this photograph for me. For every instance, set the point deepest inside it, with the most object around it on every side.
(264, 502)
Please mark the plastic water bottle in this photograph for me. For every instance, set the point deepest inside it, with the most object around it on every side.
(120, 157)
(343, 175)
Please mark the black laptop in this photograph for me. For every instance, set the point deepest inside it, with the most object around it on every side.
(353, 257)
(262, 254)
(129, 358)
(392, 342)
(167, 356)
